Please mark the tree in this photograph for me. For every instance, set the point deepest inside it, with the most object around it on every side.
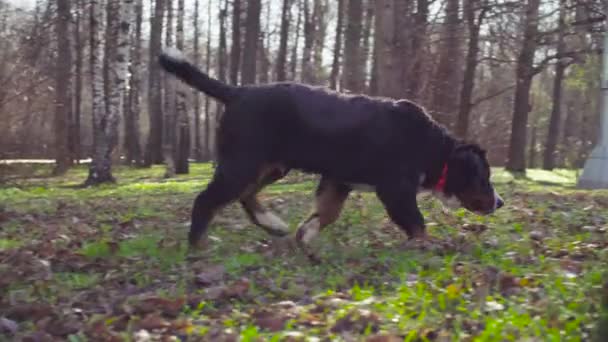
(207, 155)
(133, 108)
(254, 9)
(105, 123)
(183, 123)
(75, 142)
(282, 53)
(560, 69)
(222, 55)
(390, 48)
(473, 22)
(366, 50)
(170, 108)
(235, 51)
(523, 75)
(353, 66)
(198, 152)
(62, 88)
(445, 97)
(155, 110)
(309, 39)
(295, 48)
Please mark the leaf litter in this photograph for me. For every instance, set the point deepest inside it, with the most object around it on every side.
(77, 276)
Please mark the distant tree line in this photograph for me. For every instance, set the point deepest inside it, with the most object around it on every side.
(80, 78)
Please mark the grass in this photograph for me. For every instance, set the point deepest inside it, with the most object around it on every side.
(111, 262)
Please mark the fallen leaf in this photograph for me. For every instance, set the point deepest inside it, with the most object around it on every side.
(571, 268)
(8, 326)
(29, 311)
(238, 289)
(453, 290)
(151, 322)
(211, 275)
(384, 338)
(38, 336)
(169, 307)
(63, 327)
(270, 321)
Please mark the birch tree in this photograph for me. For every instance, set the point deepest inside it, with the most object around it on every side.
(105, 123)
(155, 110)
(169, 108)
(198, 153)
(62, 88)
(183, 124)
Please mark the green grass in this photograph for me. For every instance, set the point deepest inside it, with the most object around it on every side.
(536, 273)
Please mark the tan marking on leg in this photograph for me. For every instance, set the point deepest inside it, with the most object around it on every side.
(257, 213)
(329, 203)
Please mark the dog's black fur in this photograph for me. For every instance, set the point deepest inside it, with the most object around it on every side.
(391, 145)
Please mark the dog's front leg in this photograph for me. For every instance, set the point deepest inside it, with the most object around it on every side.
(402, 208)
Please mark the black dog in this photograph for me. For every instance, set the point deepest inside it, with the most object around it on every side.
(392, 147)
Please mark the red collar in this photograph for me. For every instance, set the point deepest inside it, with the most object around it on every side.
(441, 182)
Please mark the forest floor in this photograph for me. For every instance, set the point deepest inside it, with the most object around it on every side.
(110, 263)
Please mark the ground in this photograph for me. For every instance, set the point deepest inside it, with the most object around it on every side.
(110, 263)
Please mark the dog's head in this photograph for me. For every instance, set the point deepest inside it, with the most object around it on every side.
(466, 180)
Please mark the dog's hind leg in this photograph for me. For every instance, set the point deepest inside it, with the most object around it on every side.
(330, 197)
(230, 181)
(259, 215)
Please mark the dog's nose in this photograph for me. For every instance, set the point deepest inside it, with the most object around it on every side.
(499, 203)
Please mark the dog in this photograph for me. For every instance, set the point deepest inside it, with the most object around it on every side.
(354, 142)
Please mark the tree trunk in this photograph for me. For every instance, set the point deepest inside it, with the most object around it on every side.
(132, 138)
(183, 122)
(294, 51)
(254, 8)
(198, 152)
(468, 80)
(105, 124)
(78, 77)
(264, 51)
(320, 15)
(417, 53)
(353, 68)
(390, 48)
(554, 121)
(524, 73)
(222, 57)
(532, 147)
(366, 50)
(207, 145)
(309, 39)
(282, 54)
(170, 108)
(235, 51)
(62, 89)
(155, 108)
(445, 96)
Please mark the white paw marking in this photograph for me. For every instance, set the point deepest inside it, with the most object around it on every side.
(496, 199)
(270, 220)
(311, 229)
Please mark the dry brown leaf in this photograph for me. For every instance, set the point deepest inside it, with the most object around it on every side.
(270, 321)
(8, 326)
(210, 275)
(384, 338)
(153, 321)
(29, 311)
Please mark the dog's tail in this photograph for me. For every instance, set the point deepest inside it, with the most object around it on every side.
(174, 62)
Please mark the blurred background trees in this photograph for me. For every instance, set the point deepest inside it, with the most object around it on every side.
(80, 79)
